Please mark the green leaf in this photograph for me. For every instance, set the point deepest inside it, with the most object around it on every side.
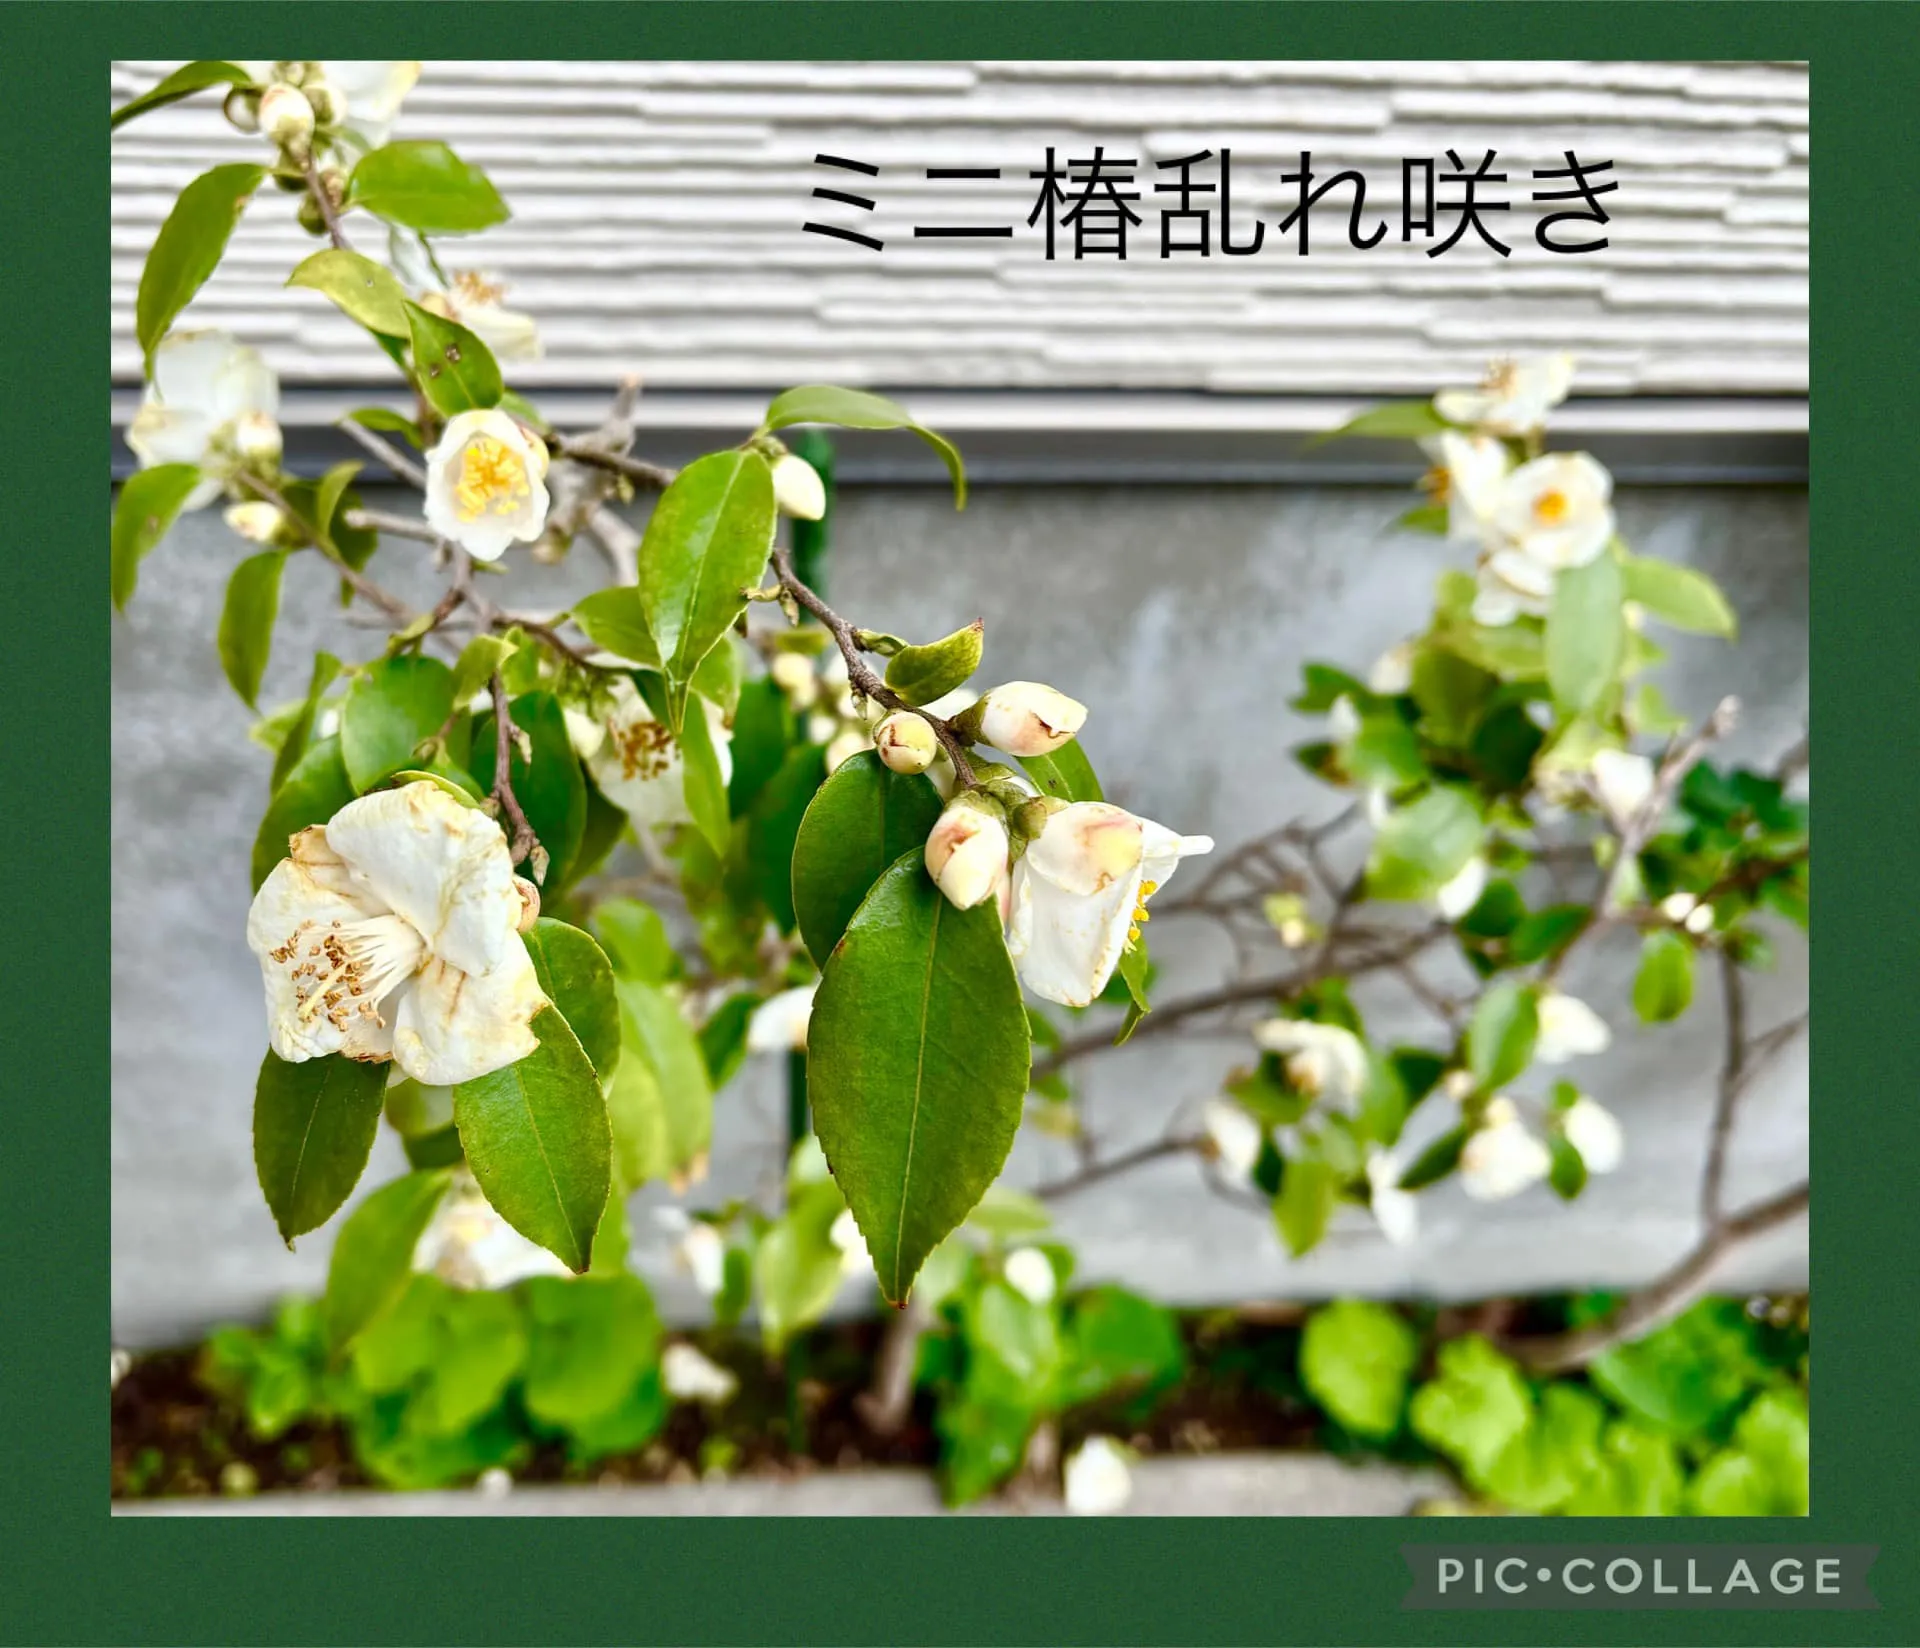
(183, 82)
(425, 186)
(1438, 1160)
(614, 620)
(860, 821)
(537, 1139)
(456, 371)
(383, 420)
(316, 789)
(362, 290)
(188, 248)
(373, 1254)
(1679, 596)
(1542, 1467)
(478, 661)
(1424, 845)
(145, 509)
(1302, 1209)
(718, 678)
(922, 674)
(1009, 1215)
(701, 781)
(723, 1038)
(394, 705)
(660, 1101)
(577, 978)
(762, 726)
(635, 939)
(1638, 1473)
(1014, 1348)
(796, 1268)
(1586, 634)
(1066, 773)
(326, 668)
(1117, 1340)
(313, 1128)
(552, 792)
(1474, 1408)
(1385, 754)
(1356, 1358)
(1663, 987)
(917, 1066)
(591, 1342)
(1395, 421)
(706, 544)
(1765, 1472)
(773, 828)
(1500, 1040)
(855, 409)
(246, 621)
(1687, 1376)
(1568, 1171)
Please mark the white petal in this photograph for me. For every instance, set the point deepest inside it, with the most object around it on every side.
(689, 1376)
(1396, 1211)
(166, 434)
(1569, 1028)
(454, 1027)
(1237, 1138)
(1029, 1273)
(779, 1024)
(1592, 1130)
(1460, 894)
(1087, 847)
(507, 332)
(1501, 1161)
(1098, 1482)
(1623, 781)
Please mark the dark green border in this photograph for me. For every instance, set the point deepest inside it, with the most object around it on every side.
(70, 1574)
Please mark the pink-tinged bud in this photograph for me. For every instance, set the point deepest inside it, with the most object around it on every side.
(1027, 718)
(967, 851)
(906, 742)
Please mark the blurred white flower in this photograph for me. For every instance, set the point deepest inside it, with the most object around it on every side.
(487, 484)
(1396, 1211)
(118, 1365)
(1556, 510)
(1030, 1274)
(1236, 1137)
(1569, 1028)
(207, 388)
(371, 89)
(1325, 1060)
(1595, 1132)
(1510, 585)
(1098, 1482)
(639, 766)
(473, 300)
(855, 1260)
(779, 1024)
(468, 1245)
(1467, 477)
(845, 745)
(1514, 397)
(1462, 892)
(1685, 910)
(258, 522)
(1343, 720)
(1392, 672)
(1623, 784)
(1502, 1158)
(687, 1375)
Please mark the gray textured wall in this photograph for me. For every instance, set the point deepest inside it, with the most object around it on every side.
(1182, 615)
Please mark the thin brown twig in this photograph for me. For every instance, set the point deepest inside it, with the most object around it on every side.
(522, 842)
(1093, 1172)
(584, 451)
(329, 213)
(385, 452)
(361, 584)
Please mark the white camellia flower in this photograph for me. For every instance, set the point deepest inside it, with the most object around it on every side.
(1514, 398)
(1098, 1482)
(1395, 1211)
(855, 1260)
(1469, 472)
(797, 487)
(1622, 783)
(393, 931)
(1569, 1028)
(473, 300)
(639, 766)
(209, 397)
(966, 852)
(1502, 1158)
(468, 1245)
(1236, 1137)
(687, 1375)
(1463, 890)
(1080, 893)
(372, 90)
(1028, 718)
(1591, 1128)
(1327, 1061)
(487, 484)
(1510, 584)
(1029, 1272)
(906, 742)
(779, 1024)
(1556, 510)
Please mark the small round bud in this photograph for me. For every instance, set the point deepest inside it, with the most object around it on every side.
(311, 218)
(1026, 718)
(967, 851)
(529, 903)
(256, 438)
(906, 742)
(291, 71)
(329, 104)
(257, 521)
(333, 183)
(793, 674)
(290, 183)
(242, 109)
(797, 488)
(286, 117)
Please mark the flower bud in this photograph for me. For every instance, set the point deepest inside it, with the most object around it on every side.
(286, 117)
(309, 216)
(967, 851)
(242, 109)
(258, 522)
(906, 742)
(256, 438)
(329, 104)
(793, 675)
(797, 488)
(1025, 718)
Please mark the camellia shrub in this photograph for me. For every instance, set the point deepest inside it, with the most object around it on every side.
(912, 889)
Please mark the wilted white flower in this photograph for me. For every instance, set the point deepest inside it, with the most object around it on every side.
(1685, 910)
(855, 1260)
(687, 1375)
(1236, 1137)
(468, 1245)
(966, 852)
(473, 300)
(1029, 1273)
(487, 484)
(1556, 510)
(1569, 1028)
(1463, 890)
(1325, 1060)
(1591, 1128)
(1028, 718)
(639, 765)
(1514, 397)
(1623, 783)
(1080, 895)
(258, 522)
(797, 487)
(1502, 1158)
(1098, 1481)
(204, 385)
(393, 931)
(906, 742)
(1395, 1211)
(1392, 672)
(779, 1024)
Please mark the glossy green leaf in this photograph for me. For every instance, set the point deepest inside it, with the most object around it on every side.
(660, 1101)
(1501, 1037)
(635, 939)
(246, 621)
(1395, 421)
(1663, 987)
(1304, 1206)
(1356, 1357)
(536, 1137)
(723, 1038)
(478, 661)
(856, 409)
(1423, 846)
(1586, 633)
(591, 1341)
(363, 290)
(188, 248)
(762, 729)
(1118, 1341)
(922, 674)
(706, 543)
(1438, 1160)
(383, 420)
(1679, 596)
(373, 1254)
(917, 1066)
(148, 503)
(718, 677)
(577, 978)
(183, 82)
(797, 1269)
(701, 781)
(393, 706)
(425, 186)
(456, 371)
(1475, 1406)
(773, 829)
(326, 669)
(1066, 773)
(316, 789)
(859, 822)
(313, 1128)
(552, 792)
(614, 620)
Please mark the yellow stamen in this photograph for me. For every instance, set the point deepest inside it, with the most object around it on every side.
(1133, 935)
(493, 478)
(1147, 890)
(1550, 508)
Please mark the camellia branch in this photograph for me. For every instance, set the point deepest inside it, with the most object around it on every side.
(522, 842)
(329, 213)
(581, 449)
(361, 584)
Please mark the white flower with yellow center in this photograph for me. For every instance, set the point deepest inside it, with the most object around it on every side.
(1502, 1158)
(1325, 1061)
(1592, 1129)
(468, 1245)
(1556, 510)
(1569, 1029)
(1514, 397)
(1098, 1482)
(393, 931)
(211, 402)
(779, 1024)
(473, 300)
(1466, 477)
(487, 484)
(1080, 896)
(639, 765)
